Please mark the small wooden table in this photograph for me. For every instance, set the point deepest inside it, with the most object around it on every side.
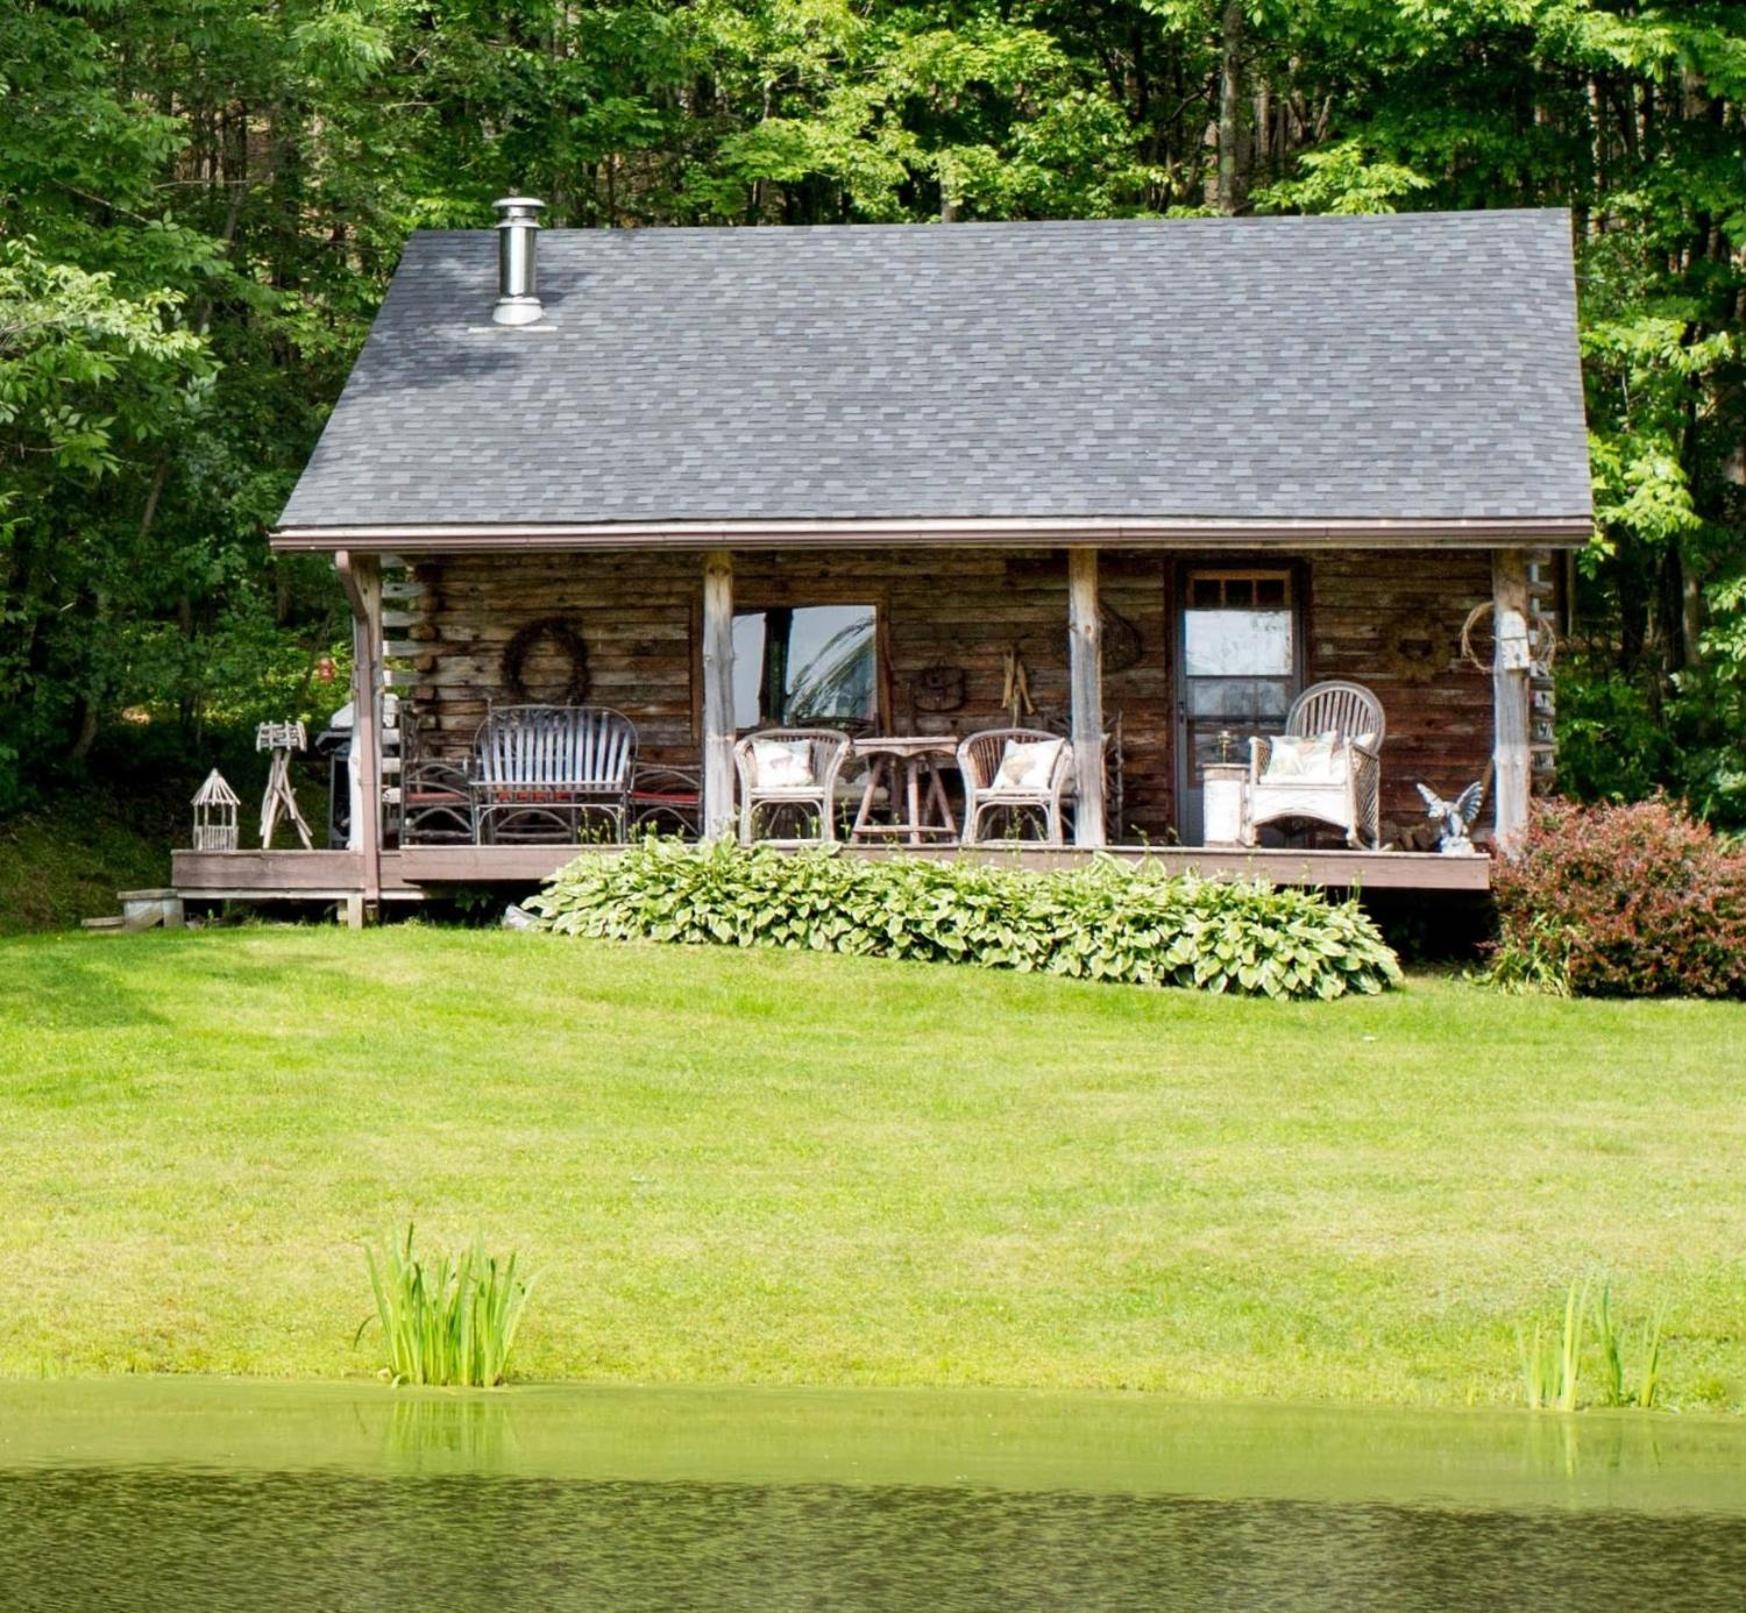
(1221, 814)
(910, 762)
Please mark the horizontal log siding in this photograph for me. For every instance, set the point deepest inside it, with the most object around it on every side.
(637, 613)
(1439, 730)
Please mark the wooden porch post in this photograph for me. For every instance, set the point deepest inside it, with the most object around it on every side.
(1085, 674)
(362, 578)
(1509, 695)
(718, 694)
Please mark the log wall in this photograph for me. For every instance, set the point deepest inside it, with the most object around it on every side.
(638, 614)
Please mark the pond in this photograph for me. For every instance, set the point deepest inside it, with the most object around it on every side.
(192, 1494)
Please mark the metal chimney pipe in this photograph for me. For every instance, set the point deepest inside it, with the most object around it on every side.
(518, 300)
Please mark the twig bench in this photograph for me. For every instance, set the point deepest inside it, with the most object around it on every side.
(540, 772)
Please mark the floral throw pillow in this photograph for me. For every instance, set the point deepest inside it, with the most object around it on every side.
(1027, 764)
(782, 764)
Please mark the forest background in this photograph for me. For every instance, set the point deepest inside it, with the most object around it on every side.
(201, 202)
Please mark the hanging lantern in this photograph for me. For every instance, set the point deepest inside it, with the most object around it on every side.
(215, 805)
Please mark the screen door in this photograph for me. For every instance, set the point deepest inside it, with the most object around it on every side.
(1238, 673)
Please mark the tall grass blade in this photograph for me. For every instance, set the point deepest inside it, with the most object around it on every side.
(1534, 1367)
(1649, 1375)
(1610, 1336)
(1570, 1354)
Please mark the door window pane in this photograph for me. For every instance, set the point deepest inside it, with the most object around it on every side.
(1239, 699)
(805, 665)
(1237, 643)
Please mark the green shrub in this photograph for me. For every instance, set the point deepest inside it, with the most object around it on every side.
(1130, 923)
(448, 1319)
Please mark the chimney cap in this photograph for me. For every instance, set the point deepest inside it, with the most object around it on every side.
(518, 210)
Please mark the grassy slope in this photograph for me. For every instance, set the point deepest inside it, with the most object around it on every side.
(65, 862)
(781, 1168)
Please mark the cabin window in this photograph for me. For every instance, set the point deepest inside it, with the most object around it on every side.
(806, 666)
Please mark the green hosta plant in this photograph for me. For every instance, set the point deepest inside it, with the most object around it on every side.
(446, 1319)
(1130, 923)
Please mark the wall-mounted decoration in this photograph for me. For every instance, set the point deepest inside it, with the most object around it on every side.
(1530, 642)
(1416, 648)
(1015, 687)
(1122, 645)
(938, 688)
(281, 738)
(564, 637)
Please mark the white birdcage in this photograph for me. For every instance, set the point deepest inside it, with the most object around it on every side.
(215, 805)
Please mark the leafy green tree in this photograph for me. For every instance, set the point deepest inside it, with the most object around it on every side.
(201, 202)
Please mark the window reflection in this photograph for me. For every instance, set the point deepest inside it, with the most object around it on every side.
(806, 664)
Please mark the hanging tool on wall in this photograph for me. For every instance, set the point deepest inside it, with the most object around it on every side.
(1015, 689)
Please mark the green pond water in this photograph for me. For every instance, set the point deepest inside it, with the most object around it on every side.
(189, 1494)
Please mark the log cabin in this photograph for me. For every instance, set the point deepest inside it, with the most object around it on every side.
(1139, 482)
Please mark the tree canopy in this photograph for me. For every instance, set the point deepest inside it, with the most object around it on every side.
(201, 202)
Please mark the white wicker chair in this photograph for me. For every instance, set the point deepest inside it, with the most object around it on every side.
(1349, 795)
(827, 750)
(979, 759)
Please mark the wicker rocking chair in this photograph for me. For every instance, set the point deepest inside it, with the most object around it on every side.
(1343, 787)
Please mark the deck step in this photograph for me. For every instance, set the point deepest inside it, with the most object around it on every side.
(112, 922)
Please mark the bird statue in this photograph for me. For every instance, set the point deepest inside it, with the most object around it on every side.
(1454, 818)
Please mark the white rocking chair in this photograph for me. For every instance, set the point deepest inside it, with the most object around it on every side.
(1339, 783)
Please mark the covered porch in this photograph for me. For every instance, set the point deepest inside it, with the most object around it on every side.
(1152, 658)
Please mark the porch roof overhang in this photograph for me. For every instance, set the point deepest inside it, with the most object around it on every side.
(1160, 532)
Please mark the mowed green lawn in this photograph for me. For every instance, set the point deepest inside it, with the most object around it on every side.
(761, 1167)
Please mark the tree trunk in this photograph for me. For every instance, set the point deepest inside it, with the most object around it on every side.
(1233, 114)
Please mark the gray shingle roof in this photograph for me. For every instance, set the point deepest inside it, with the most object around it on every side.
(1415, 366)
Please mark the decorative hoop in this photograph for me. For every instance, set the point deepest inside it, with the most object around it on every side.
(1542, 638)
(566, 639)
(938, 687)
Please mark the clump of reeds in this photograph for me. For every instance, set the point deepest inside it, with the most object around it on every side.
(1618, 1385)
(1552, 1364)
(1552, 1358)
(447, 1319)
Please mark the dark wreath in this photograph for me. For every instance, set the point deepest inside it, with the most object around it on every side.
(1416, 649)
(1121, 641)
(566, 640)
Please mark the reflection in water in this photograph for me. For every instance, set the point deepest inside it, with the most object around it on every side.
(190, 1494)
(188, 1539)
(442, 1433)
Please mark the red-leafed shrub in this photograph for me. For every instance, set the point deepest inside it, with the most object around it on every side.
(1622, 901)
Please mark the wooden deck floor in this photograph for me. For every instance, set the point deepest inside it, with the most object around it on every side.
(418, 872)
